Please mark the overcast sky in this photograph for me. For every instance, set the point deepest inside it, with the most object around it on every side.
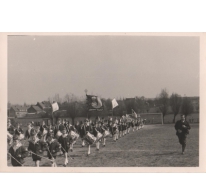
(110, 66)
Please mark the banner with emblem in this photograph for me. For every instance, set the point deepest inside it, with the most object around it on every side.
(94, 103)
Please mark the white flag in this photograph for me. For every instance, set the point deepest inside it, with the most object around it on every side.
(134, 113)
(55, 107)
(114, 103)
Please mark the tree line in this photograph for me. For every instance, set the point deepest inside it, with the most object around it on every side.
(73, 106)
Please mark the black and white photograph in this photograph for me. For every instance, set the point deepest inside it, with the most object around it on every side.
(104, 100)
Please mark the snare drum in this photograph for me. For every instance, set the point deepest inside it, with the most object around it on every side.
(73, 136)
(89, 138)
(99, 136)
(106, 133)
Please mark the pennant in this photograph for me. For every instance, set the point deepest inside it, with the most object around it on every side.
(55, 107)
(114, 103)
(94, 103)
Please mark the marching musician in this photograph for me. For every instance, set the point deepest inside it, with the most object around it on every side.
(28, 131)
(120, 127)
(52, 147)
(124, 128)
(77, 127)
(87, 128)
(43, 126)
(132, 124)
(36, 147)
(17, 152)
(58, 127)
(103, 128)
(18, 130)
(64, 141)
(81, 133)
(128, 123)
(139, 122)
(70, 128)
(95, 131)
(113, 130)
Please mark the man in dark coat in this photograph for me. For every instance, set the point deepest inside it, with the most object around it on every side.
(182, 128)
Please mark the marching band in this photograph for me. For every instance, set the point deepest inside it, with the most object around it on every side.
(63, 136)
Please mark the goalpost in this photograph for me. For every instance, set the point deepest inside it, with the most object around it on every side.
(152, 118)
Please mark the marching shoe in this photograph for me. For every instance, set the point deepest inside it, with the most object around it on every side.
(104, 145)
(97, 149)
(64, 165)
(71, 150)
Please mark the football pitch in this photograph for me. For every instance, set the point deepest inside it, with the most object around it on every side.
(153, 146)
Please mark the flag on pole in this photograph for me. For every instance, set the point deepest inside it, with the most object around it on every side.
(134, 114)
(114, 103)
(55, 107)
(94, 103)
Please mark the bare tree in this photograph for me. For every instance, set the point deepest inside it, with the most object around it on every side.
(175, 103)
(72, 107)
(163, 102)
(187, 106)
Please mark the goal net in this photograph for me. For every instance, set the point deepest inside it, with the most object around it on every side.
(152, 118)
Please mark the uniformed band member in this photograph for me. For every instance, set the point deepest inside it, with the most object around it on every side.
(64, 141)
(52, 147)
(58, 127)
(113, 130)
(182, 130)
(37, 147)
(95, 131)
(28, 131)
(43, 126)
(128, 124)
(18, 130)
(103, 128)
(17, 152)
(86, 128)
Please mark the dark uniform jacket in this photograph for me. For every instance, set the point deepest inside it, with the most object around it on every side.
(84, 129)
(96, 130)
(179, 125)
(64, 141)
(18, 131)
(27, 133)
(58, 128)
(42, 127)
(53, 147)
(77, 127)
(11, 130)
(113, 129)
(20, 151)
(37, 147)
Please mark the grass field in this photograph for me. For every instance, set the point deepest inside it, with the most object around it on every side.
(152, 146)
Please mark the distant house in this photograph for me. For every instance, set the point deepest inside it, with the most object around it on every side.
(44, 105)
(17, 111)
(35, 110)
